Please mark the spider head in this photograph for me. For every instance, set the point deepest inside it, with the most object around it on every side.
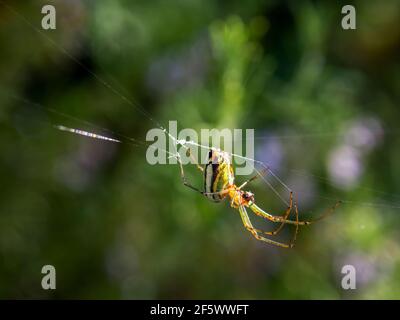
(248, 196)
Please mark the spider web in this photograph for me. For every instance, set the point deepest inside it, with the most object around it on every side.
(176, 142)
(115, 137)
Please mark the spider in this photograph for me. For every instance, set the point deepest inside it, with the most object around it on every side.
(219, 183)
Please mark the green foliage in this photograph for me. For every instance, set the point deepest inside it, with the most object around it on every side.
(116, 227)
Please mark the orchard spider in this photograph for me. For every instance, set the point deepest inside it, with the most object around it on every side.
(219, 184)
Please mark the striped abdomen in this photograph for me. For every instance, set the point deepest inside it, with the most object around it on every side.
(218, 175)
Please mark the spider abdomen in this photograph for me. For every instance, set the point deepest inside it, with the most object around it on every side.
(218, 175)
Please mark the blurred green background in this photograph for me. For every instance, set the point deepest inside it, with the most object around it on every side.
(324, 104)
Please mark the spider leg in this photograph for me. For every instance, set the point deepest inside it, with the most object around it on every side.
(288, 210)
(247, 224)
(184, 180)
(297, 225)
(189, 153)
(285, 217)
(276, 231)
(222, 193)
(258, 175)
(260, 212)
